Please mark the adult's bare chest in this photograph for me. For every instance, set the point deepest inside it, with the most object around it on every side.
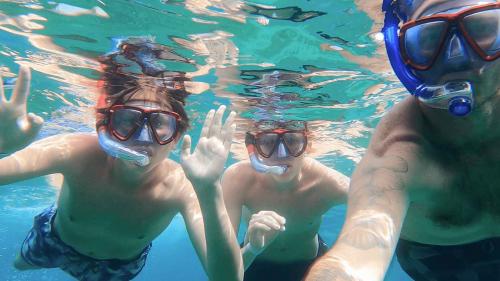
(462, 196)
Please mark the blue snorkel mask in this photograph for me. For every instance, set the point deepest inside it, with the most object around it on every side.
(455, 96)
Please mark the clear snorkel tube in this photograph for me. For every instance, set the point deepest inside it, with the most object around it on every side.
(456, 96)
(257, 163)
(118, 150)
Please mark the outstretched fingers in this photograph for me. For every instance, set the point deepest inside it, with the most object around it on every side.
(228, 130)
(207, 124)
(22, 88)
(186, 148)
(217, 122)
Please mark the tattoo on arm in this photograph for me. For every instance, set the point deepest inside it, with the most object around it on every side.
(369, 229)
(373, 226)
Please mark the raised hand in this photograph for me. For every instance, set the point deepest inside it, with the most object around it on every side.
(263, 228)
(17, 128)
(205, 165)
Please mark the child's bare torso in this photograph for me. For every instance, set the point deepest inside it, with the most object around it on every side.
(103, 217)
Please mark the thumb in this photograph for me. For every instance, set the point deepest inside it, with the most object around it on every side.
(186, 147)
(35, 122)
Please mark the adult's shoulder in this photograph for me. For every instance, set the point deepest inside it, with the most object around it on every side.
(403, 123)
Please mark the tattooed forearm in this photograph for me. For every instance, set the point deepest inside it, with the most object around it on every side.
(369, 229)
(331, 268)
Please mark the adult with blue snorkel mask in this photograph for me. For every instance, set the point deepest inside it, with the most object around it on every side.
(428, 53)
(286, 193)
(120, 190)
(427, 187)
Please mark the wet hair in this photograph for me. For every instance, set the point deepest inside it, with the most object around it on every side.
(122, 81)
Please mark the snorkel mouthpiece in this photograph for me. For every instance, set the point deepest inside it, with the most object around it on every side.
(456, 96)
(117, 150)
(257, 163)
(263, 168)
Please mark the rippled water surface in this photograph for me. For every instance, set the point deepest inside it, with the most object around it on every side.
(318, 61)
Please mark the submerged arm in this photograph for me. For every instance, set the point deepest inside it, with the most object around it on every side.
(17, 130)
(204, 167)
(377, 206)
(213, 236)
(233, 186)
(43, 157)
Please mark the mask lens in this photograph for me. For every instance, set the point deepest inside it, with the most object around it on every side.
(422, 41)
(125, 120)
(266, 143)
(295, 142)
(483, 28)
(164, 125)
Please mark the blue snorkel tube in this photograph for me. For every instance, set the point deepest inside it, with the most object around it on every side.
(457, 97)
(257, 163)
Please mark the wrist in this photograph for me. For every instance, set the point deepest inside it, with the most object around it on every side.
(210, 188)
(249, 248)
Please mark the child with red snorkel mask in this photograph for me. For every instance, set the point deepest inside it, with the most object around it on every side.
(120, 191)
(286, 194)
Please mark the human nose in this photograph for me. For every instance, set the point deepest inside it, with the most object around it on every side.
(456, 51)
(282, 152)
(145, 134)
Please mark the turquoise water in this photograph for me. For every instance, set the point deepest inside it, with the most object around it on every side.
(281, 61)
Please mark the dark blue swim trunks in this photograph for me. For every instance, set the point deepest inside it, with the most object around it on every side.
(262, 270)
(476, 261)
(43, 248)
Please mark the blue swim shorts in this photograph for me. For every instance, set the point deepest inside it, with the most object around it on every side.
(44, 248)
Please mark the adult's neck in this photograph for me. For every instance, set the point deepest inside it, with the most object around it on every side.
(480, 126)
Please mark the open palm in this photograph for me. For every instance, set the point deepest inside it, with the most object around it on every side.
(206, 164)
(17, 128)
